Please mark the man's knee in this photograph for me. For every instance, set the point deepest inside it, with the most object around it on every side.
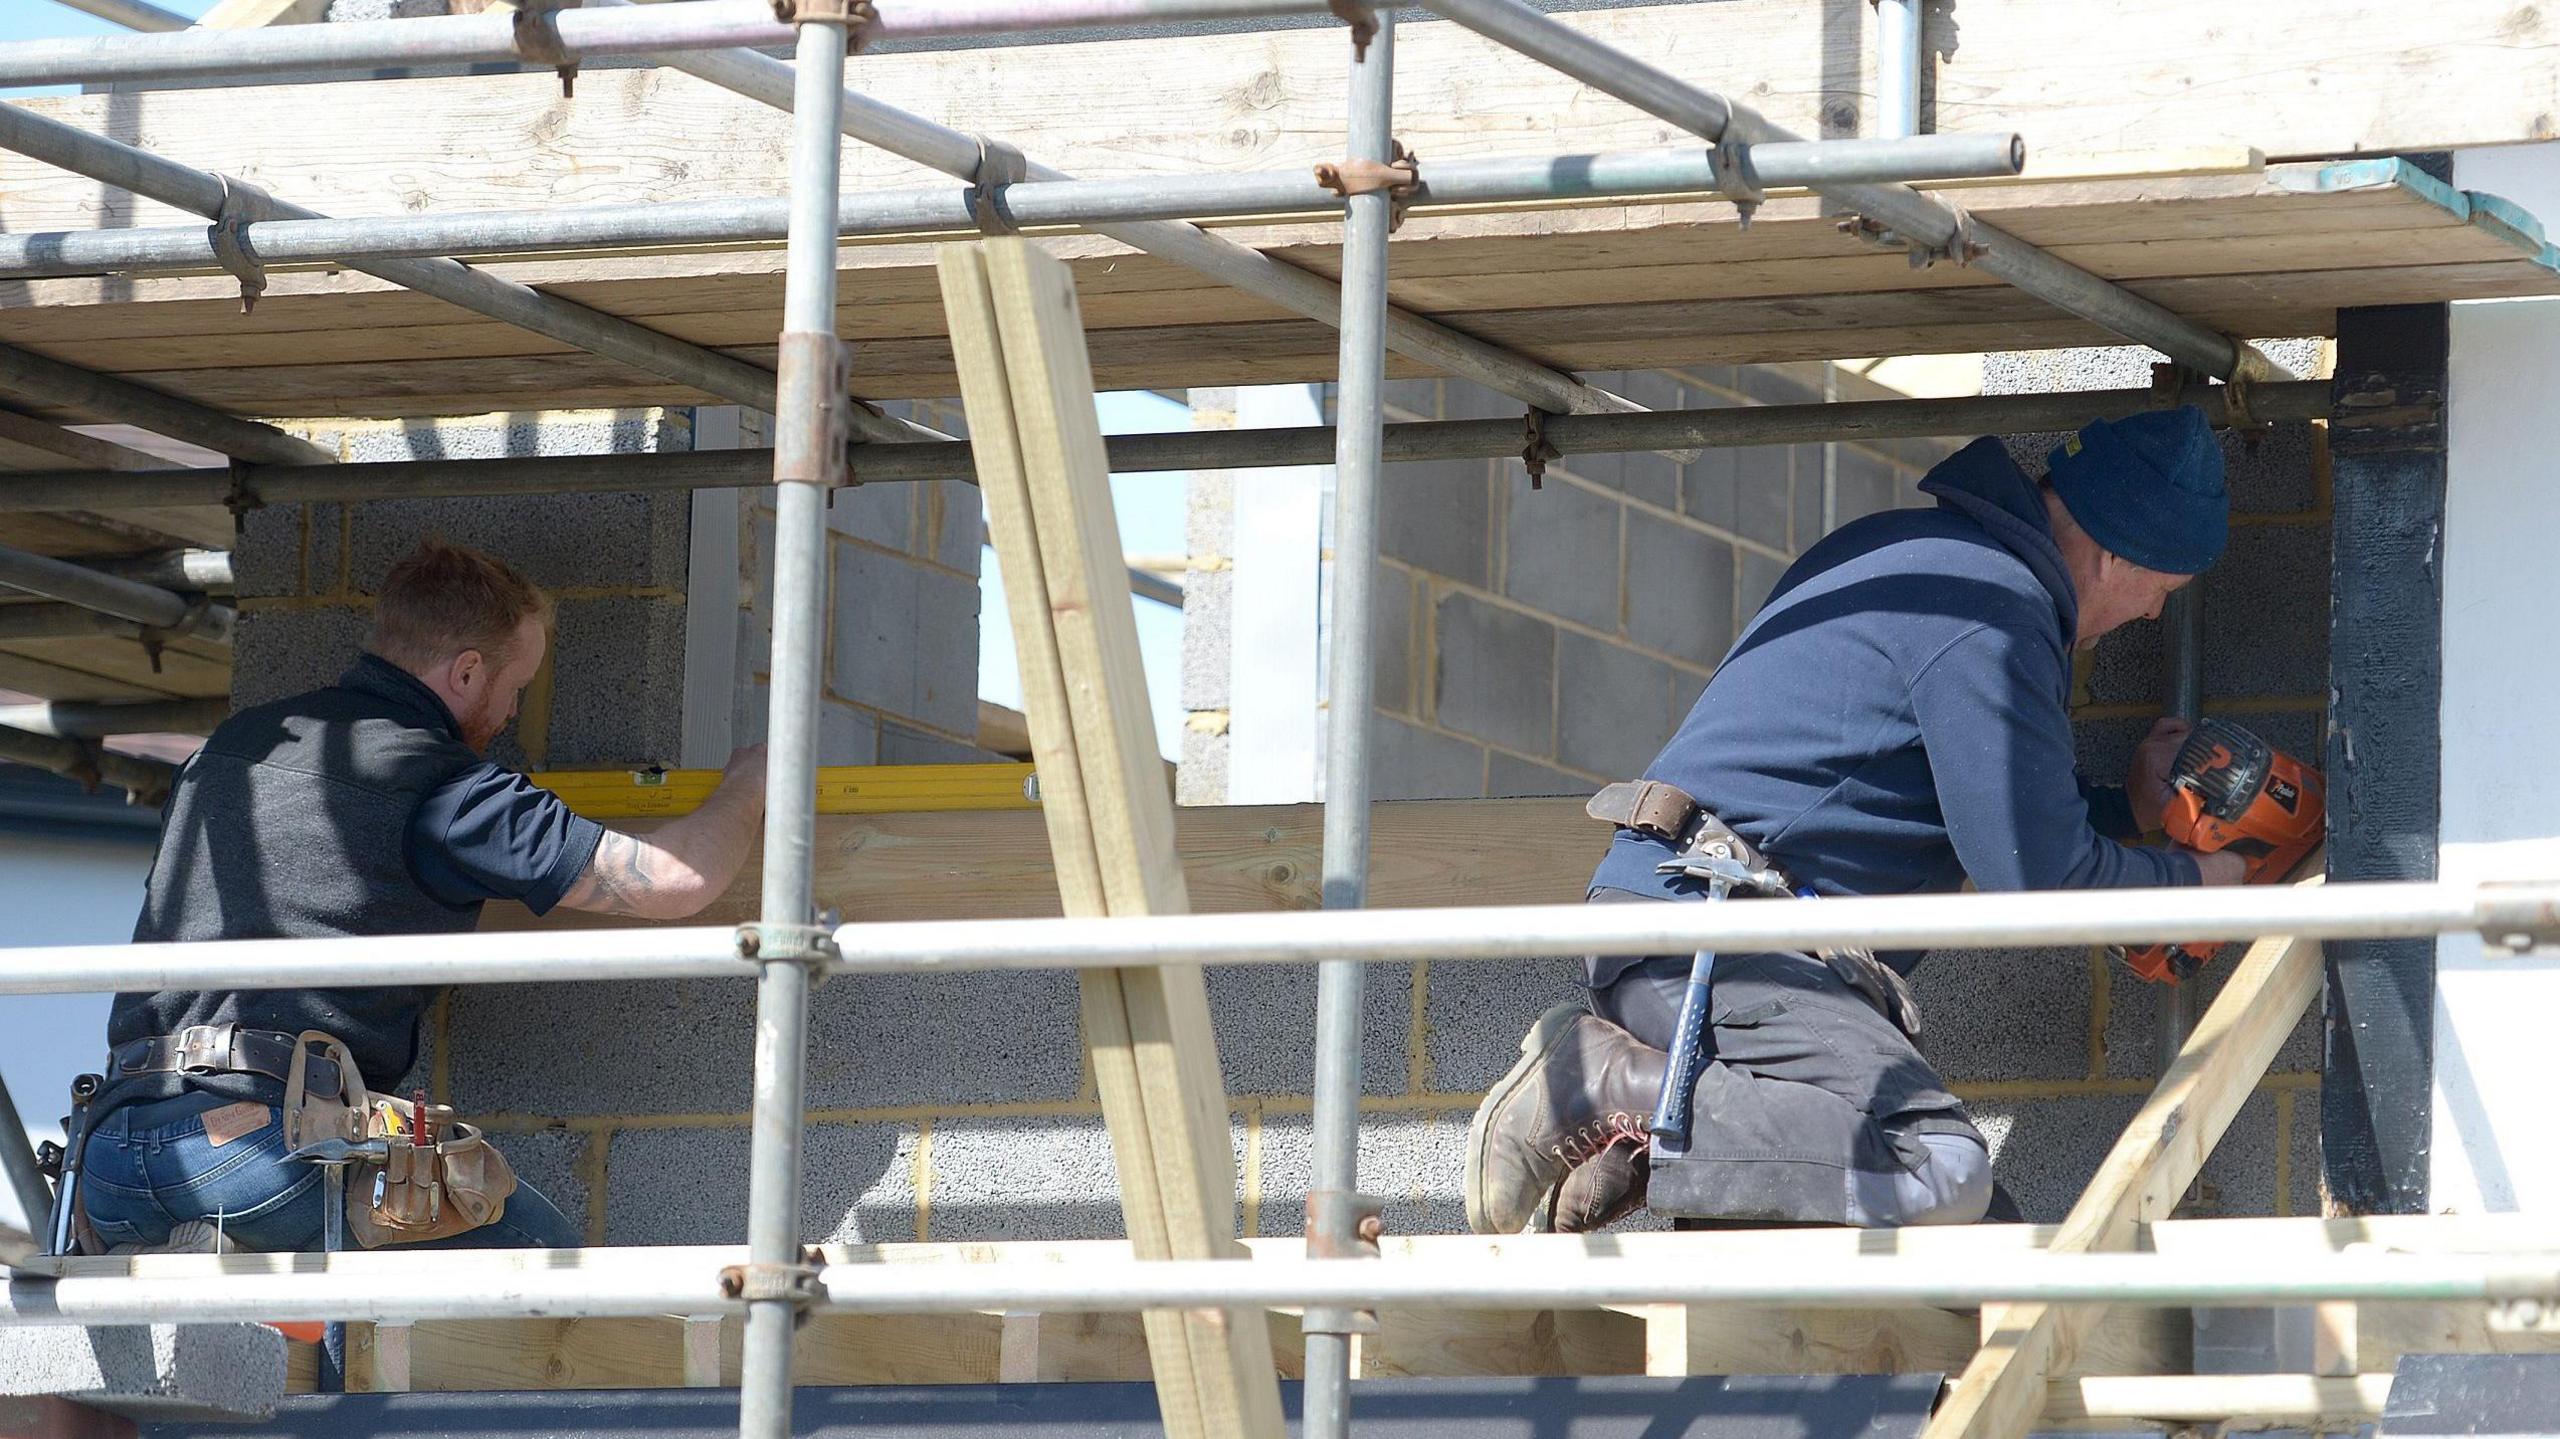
(1949, 1182)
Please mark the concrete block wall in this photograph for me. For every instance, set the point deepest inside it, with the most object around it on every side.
(900, 666)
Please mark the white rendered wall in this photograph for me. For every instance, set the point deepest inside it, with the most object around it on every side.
(2501, 720)
(1275, 661)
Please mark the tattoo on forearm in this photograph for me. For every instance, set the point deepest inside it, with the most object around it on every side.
(620, 878)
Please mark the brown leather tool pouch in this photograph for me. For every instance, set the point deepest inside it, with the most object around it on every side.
(426, 1191)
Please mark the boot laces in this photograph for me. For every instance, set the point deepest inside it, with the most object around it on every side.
(1583, 1144)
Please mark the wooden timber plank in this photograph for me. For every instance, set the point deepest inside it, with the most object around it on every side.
(249, 14)
(2160, 1153)
(1237, 859)
(1149, 1034)
(188, 666)
(1731, 1339)
(1437, 1342)
(2169, 73)
(28, 675)
(1172, 1044)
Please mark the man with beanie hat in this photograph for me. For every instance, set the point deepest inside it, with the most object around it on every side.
(1894, 721)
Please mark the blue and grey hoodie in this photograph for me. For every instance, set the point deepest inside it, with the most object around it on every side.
(1896, 717)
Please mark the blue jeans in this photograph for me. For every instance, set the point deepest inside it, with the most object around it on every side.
(150, 1167)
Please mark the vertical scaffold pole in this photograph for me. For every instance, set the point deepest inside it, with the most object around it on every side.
(808, 461)
(1334, 1213)
(1898, 54)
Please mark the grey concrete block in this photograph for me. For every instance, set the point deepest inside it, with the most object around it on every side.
(1209, 513)
(1561, 551)
(159, 1371)
(1862, 484)
(1650, 477)
(1679, 590)
(275, 653)
(1208, 639)
(2005, 1014)
(2126, 667)
(326, 556)
(1417, 398)
(1710, 487)
(1780, 385)
(1612, 706)
(1287, 1172)
(1024, 1179)
(1467, 400)
(549, 1162)
(2272, 471)
(1686, 686)
(1760, 575)
(884, 515)
(557, 541)
(1416, 1163)
(904, 639)
(2304, 1189)
(955, 525)
(1265, 1016)
(2101, 367)
(2266, 614)
(2133, 1021)
(1509, 778)
(1805, 524)
(1478, 1010)
(903, 744)
(1410, 762)
(847, 735)
(1764, 500)
(1391, 642)
(615, 682)
(1496, 674)
(1201, 778)
(689, 1186)
(747, 711)
(882, 1041)
(680, 1047)
(2044, 1150)
(1437, 516)
(266, 554)
(2239, 1177)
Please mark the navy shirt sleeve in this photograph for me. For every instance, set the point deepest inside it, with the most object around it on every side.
(490, 833)
(1990, 713)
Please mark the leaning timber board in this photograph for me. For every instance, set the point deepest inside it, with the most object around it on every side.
(1673, 281)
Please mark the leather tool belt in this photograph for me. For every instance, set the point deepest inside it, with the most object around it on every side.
(226, 1049)
(1711, 851)
(436, 1176)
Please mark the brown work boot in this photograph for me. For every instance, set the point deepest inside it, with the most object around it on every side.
(1581, 1085)
(1603, 1189)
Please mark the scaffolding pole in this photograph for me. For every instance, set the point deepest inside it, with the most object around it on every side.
(144, 780)
(1898, 60)
(131, 14)
(1030, 204)
(78, 622)
(18, 1160)
(31, 376)
(217, 198)
(790, 944)
(1862, 420)
(557, 39)
(2510, 916)
(638, 1282)
(1904, 217)
(1333, 1214)
(1301, 292)
(80, 719)
(107, 594)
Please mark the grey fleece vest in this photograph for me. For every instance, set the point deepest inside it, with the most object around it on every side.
(292, 822)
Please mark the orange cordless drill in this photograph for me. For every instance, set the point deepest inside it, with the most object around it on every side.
(2232, 790)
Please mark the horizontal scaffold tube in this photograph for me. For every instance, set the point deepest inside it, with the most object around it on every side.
(2510, 914)
(1182, 450)
(578, 34)
(435, 1288)
(1032, 204)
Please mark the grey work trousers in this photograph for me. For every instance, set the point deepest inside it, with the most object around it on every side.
(1815, 1108)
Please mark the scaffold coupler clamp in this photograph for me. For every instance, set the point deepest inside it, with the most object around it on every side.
(1537, 450)
(999, 165)
(1398, 178)
(2520, 917)
(797, 1285)
(1729, 161)
(811, 945)
(816, 413)
(859, 17)
(1363, 22)
(1342, 1224)
(240, 497)
(242, 203)
(536, 32)
(1961, 248)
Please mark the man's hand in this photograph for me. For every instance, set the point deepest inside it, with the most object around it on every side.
(2146, 785)
(679, 868)
(745, 771)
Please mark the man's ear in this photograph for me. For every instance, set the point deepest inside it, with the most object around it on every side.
(470, 667)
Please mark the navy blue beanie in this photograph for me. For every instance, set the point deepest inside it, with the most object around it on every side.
(2148, 488)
